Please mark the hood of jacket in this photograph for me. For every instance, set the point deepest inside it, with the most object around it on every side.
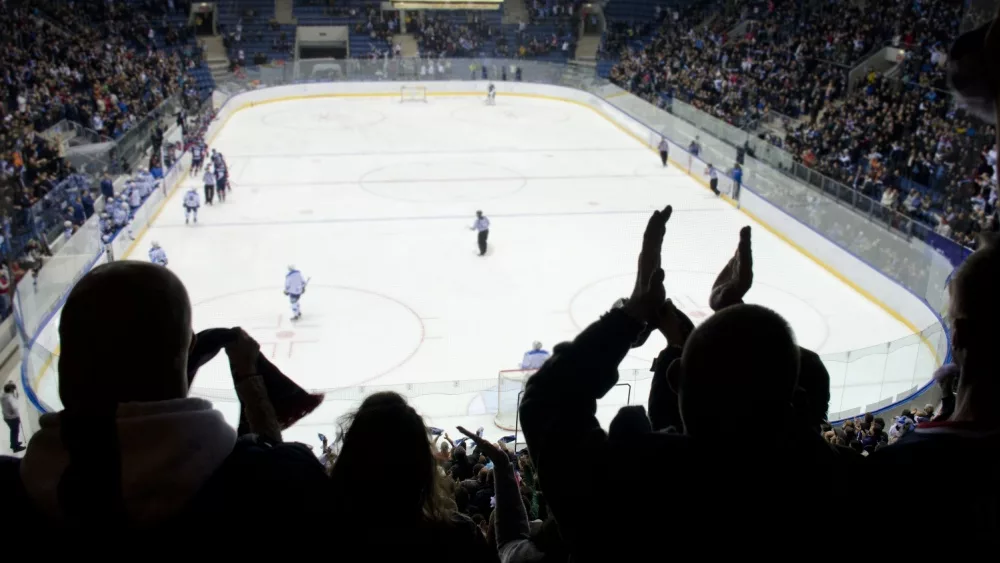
(167, 449)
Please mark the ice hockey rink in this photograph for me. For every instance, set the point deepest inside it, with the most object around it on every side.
(373, 199)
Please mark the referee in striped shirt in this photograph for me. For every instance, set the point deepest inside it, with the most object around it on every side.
(713, 178)
(664, 151)
(482, 225)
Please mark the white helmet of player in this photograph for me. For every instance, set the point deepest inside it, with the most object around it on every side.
(291, 267)
(67, 223)
(104, 215)
(536, 345)
(155, 244)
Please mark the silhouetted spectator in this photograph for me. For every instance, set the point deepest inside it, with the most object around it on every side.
(130, 450)
(369, 479)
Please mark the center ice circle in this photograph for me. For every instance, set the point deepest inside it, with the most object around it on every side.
(438, 181)
(329, 117)
(328, 348)
(689, 290)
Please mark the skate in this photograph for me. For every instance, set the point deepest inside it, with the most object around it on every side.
(187, 220)
(297, 316)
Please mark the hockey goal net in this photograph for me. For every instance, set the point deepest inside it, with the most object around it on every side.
(412, 94)
(510, 385)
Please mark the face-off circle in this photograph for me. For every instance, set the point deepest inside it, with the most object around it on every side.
(325, 348)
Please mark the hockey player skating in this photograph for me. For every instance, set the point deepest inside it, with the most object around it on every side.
(157, 255)
(221, 177)
(191, 204)
(482, 225)
(491, 95)
(209, 180)
(534, 358)
(295, 286)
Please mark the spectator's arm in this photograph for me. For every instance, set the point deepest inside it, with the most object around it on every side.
(258, 409)
(664, 410)
(511, 520)
(243, 352)
(558, 411)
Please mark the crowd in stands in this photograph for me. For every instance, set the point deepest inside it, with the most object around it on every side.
(544, 9)
(889, 135)
(438, 35)
(104, 66)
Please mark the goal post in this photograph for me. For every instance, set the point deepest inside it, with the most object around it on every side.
(510, 386)
(412, 94)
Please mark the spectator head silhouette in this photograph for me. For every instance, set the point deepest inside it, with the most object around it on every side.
(143, 311)
(744, 354)
(386, 460)
(974, 310)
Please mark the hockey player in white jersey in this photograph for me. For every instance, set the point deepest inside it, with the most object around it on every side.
(491, 95)
(157, 255)
(295, 286)
(119, 214)
(191, 204)
(145, 181)
(135, 197)
(534, 358)
(128, 221)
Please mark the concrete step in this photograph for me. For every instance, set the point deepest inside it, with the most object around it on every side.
(283, 12)
(407, 44)
(514, 11)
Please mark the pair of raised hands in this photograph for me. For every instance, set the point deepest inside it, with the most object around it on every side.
(648, 302)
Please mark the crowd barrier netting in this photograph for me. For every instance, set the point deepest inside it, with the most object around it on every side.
(867, 231)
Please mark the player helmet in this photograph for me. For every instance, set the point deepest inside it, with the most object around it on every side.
(155, 244)
(536, 345)
(67, 223)
(291, 267)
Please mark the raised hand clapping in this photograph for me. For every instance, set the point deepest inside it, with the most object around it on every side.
(736, 277)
